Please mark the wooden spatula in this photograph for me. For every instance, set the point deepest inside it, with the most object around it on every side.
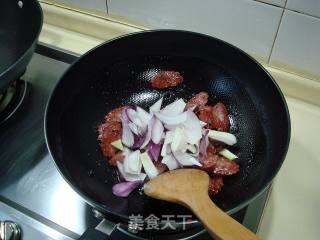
(189, 187)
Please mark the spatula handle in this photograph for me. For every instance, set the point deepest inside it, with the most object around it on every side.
(219, 225)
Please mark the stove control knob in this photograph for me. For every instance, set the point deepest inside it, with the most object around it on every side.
(9, 231)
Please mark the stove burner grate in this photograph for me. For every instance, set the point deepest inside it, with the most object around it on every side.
(12, 99)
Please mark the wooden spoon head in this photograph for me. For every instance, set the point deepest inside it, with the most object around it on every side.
(178, 186)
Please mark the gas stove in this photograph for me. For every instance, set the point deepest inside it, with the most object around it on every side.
(35, 201)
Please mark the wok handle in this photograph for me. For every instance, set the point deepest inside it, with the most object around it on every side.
(219, 224)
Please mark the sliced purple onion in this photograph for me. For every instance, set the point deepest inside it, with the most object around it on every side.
(154, 151)
(163, 135)
(186, 159)
(127, 135)
(171, 127)
(138, 141)
(148, 134)
(133, 128)
(133, 116)
(172, 120)
(144, 116)
(157, 130)
(128, 176)
(156, 106)
(194, 149)
(192, 108)
(192, 128)
(204, 143)
(125, 188)
(225, 137)
(125, 161)
(203, 124)
(132, 163)
(170, 162)
(148, 165)
(175, 108)
(167, 140)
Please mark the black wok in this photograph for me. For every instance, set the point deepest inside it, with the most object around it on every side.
(118, 72)
(20, 25)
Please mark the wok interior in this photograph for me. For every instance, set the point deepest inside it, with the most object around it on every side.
(119, 72)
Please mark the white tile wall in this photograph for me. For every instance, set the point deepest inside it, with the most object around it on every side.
(280, 3)
(297, 46)
(311, 7)
(250, 25)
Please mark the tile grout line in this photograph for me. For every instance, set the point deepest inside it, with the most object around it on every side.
(89, 14)
(271, 4)
(303, 13)
(275, 37)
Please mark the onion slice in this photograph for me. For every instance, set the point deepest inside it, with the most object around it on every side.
(170, 162)
(154, 150)
(133, 116)
(194, 149)
(175, 108)
(203, 124)
(138, 141)
(204, 143)
(171, 127)
(117, 144)
(228, 154)
(128, 176)
(127, 135)
(186, 159)
(179, 140)
(132, 163)
(133, 128)
(125, 188)
(224, 137)
(157, 130)
(172, 120)
(148, 165)
(156, 106)
(192, 128)
(144, 116)
(167, 140)
(148, 134)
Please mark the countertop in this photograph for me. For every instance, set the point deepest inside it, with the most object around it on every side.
(292, 211)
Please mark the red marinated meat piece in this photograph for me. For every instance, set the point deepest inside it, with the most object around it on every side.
(221, 115)
(205, 115)
(119, 156)
(215, 185)
(107, 149)
(218, 165)
(225, 167)
(211, 149)
(216, 117)
(198, 100)
(115, 114)
(166, 79)
(109, 132)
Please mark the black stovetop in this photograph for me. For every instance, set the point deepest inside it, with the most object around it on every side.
(32, 192)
